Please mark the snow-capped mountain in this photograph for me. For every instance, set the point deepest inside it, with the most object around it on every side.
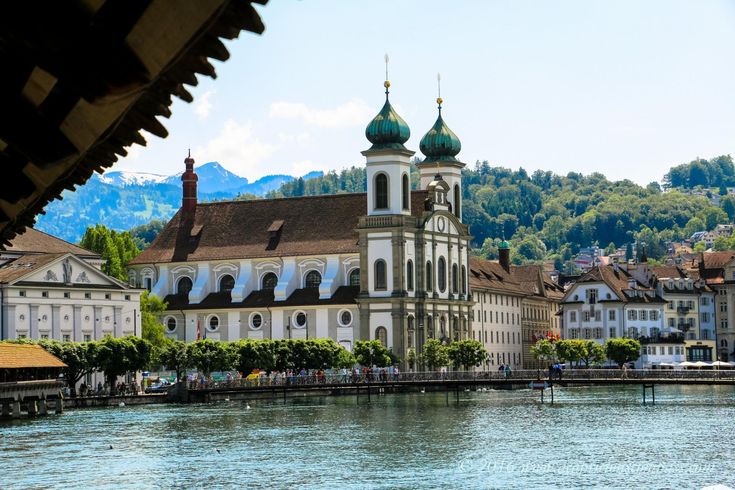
(123, 178)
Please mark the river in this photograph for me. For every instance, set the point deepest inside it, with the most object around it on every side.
(591, 437)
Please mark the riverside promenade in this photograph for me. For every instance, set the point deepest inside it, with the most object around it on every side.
(338, 384)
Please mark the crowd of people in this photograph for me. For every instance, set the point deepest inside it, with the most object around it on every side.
(101, 389)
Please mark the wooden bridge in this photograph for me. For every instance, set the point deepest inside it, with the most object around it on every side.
(456, 381)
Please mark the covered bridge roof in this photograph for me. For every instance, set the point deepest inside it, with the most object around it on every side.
(23, 356)
(80, 79)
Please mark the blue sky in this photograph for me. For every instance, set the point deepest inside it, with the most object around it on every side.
(626, 87)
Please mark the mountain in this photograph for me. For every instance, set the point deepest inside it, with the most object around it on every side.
(122, 200)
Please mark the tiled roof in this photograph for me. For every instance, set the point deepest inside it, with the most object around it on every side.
(617, 281)
(344, 295)
(668, 271)
(19, 356)
(717, 260)
(239, 229)
(34, 241)
(487, 274)
(25, 264)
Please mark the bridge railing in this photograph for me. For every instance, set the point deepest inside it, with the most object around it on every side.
(336, 378)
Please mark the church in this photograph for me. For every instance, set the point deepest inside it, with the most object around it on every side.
(389, 264)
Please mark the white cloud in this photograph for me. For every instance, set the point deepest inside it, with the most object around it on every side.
(353, 113)
(202, 105)
(238, 149)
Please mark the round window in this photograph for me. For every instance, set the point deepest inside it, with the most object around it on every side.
(256, 320)
(345, 318)
(171, 324)
(300, 319)
(213, 323)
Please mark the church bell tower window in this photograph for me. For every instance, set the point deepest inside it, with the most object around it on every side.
(406, 191)
(381, 191)
(380, 279)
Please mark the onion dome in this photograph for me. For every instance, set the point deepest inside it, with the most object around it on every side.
(387, 130)
(440, 143)
(504, 245)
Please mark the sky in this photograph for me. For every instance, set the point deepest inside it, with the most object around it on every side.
(627, 88)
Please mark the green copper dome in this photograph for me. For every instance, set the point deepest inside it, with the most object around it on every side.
(387, 130)
(504, 244)
(440, 143)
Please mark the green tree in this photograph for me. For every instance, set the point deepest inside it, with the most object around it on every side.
(571, 350)
(466, 354)
(345, 359)
(544, 350)
(435, 354)
(699, 247)
(81, 358)
(117, 249)
(622, 350)
(151, 307)
(593, 353)
(118, 356)
(411, 358)
(144, 235)
(371, 353)
(175, 356)
(209, 355)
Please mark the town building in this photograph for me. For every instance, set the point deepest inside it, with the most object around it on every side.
(497, 318)
(541, 307)
(52, 289)
(609, 302)
(390, 264)
(717, 269)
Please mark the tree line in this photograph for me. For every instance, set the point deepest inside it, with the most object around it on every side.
(117, 356)
(590, 353)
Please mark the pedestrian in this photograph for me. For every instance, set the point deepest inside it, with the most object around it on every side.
(396, 373)
(507, 370)
(625, 371)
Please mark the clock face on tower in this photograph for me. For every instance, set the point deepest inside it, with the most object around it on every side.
(441, 224)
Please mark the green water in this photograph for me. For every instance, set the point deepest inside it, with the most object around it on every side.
(591, 437)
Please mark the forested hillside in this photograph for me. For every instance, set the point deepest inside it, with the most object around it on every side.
(716, 172)
(549, 216)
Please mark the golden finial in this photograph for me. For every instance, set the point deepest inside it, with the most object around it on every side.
(439, 99)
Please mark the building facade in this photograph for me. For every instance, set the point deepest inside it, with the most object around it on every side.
(390, 264)
(54, 290)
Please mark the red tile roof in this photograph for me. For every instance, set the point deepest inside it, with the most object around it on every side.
(19, 356)
(487, 274)
(245, 229)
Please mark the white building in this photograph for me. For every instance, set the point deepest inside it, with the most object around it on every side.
(389, 265)
(52, 289)
(608, 302)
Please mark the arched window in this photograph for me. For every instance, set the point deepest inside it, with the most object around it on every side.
(269, 281)
(409, 275)
(430, 327)
(455, 279)
(226, 283)
(411, 328)
(355, 277)
(183, 286)
(457, 198)
(313, 280)
(428, 275)
(441, 275)
(380, 280)
(382, 334)
(464, 280)
(381, 191)
(723, 343)
(406, 192)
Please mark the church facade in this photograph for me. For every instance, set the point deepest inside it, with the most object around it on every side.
(390, 264)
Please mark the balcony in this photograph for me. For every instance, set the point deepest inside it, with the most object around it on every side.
(386, 221)
(683, 310)
(674, 338)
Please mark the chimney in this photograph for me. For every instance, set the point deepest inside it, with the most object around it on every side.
(504, 255)
(189, 184)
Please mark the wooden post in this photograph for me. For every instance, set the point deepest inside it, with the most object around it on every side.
(653, 394)
(552, 393)
(644, 393)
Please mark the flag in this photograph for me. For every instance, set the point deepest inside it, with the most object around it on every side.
(199, 330)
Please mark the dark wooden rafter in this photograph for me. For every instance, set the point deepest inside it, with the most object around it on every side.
(81, 48)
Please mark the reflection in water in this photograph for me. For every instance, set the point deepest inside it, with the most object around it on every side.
(599, 437)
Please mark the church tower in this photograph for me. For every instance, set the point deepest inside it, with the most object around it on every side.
(388, 163)
(440, 146)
